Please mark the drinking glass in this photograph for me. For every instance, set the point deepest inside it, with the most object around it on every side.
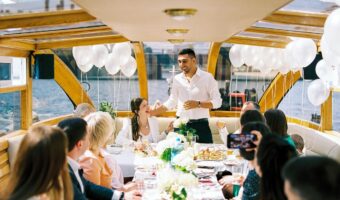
(220, 124)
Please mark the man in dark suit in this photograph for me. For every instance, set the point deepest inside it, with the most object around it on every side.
(76, 131)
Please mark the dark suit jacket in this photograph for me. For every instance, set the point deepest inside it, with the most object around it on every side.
(92, 191)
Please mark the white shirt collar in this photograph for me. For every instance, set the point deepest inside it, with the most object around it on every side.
(74, 164)
(198, 73)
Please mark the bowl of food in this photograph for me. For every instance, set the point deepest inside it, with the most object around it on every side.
(114, 148)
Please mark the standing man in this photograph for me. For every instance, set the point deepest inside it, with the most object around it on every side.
(194, 92)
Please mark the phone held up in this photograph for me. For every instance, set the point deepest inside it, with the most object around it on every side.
(241, 141)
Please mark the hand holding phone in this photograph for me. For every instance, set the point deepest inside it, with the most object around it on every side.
(241, 141)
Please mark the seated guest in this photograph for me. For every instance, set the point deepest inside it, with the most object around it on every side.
(141, 126)
(299, 143)
(95, 161)
(272, 154)
(83, 109)
(77, 133)
(249, 105)
(312, 178)
(277, 122)
(247, 116)
(251, 185)
(40, 170)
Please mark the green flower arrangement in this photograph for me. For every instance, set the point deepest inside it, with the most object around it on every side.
(106, 106)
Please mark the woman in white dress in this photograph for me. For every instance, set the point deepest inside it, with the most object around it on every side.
(141, 127)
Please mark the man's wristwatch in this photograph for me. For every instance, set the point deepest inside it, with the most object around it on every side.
(199, 104)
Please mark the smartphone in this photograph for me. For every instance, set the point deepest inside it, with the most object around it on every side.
(241, 141)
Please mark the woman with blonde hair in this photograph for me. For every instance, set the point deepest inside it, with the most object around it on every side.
(99, 167)
(40, 169)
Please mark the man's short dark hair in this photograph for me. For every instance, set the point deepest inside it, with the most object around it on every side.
(75, 129)
(188, 51)
(313, 177)
(252, 116)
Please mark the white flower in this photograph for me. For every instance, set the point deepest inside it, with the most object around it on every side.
(177, 122)
(173, 135)
(180, 121)
(187, 179)
(162, 145)
(165, 178)
(186, 159)
(184, 120)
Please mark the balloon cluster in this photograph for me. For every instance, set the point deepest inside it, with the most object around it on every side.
(328, 68)
(298, 53)
(98, 55)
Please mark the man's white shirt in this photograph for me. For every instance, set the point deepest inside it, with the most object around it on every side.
(201, 87)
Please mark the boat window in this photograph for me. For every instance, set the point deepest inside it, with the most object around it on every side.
(241, 84)
(12, 71)
(296, 104)
(101, 86)
(161, 61)
(49, 100)
(15, 7)
(10, 117)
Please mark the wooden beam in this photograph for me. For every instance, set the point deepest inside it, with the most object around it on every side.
(67, 43)
(278, 32)
(12, 89)
(8, 43)
(13, 52)
(142, 69)
(45, 19)
(297, 18)
(305, 123)
(52, 121)
(26, 98)
(327, 113)
(69, 82)
(214, 52)
(60, 33)
(277, 89)
(257, 41)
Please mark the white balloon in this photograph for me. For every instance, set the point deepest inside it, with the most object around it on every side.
(326, 72)
(284, 70)
(302, 51)
(112, 64)
(248, 52)
(235, 55)
(327, 54)
(82, 54)
(124, 51)
(317, 92)
(130, 67)
(331, 30)
(85, 68)
(100, 54)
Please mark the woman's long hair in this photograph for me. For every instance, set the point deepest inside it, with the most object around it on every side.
(40, 166)
(277, 121)
(135, 104)
(273, 153)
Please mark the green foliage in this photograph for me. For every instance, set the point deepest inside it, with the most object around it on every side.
(181, 196)
(166, 155)
(106, 106)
